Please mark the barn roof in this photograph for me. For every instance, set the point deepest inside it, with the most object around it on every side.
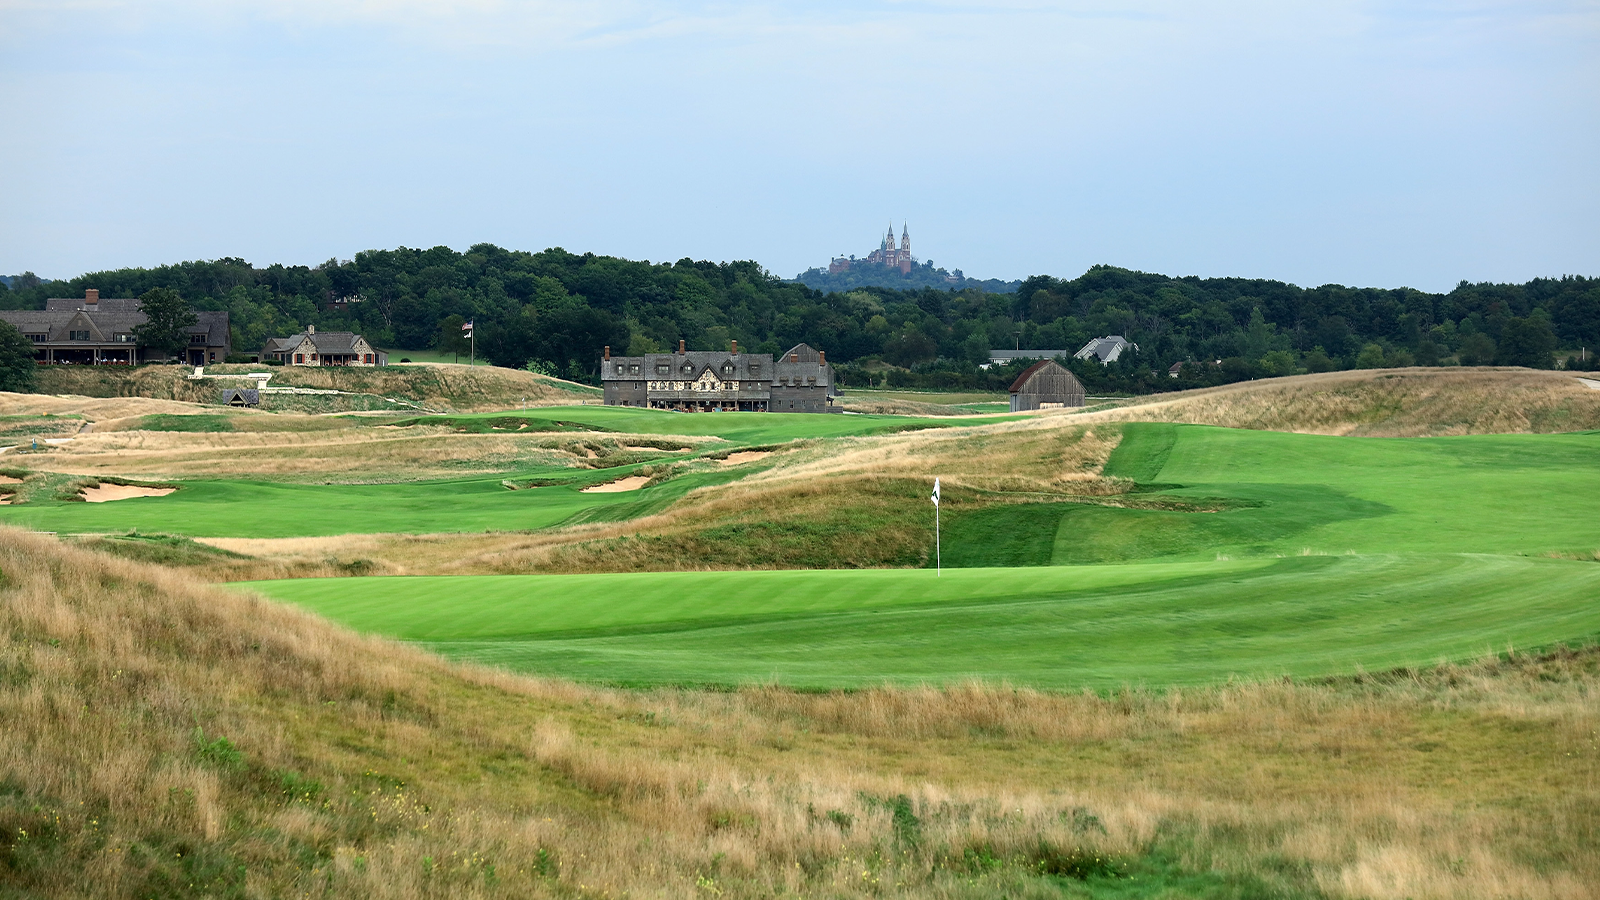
(1027, 373)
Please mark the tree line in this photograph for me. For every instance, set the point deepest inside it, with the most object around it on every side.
(554, 310)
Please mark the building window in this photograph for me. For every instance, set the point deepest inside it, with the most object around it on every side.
(38, 338)
(77, 335)
(123, 338)
(369, 357)
(633, 370)
(299, 357)
(197, 338)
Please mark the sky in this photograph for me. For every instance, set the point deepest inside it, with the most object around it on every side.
(1382, 144)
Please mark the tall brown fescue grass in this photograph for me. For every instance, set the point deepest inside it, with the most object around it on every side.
(165, 738)
(1413, 402)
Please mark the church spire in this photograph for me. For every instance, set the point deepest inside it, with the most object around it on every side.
(905, 238)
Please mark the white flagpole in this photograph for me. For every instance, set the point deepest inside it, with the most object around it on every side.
(938, 554)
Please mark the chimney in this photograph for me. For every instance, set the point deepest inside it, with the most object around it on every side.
(608, 352)
(735, 348)
(91, 295)
(822, 357)
(794, 357)
(680, 346)
(311, 329)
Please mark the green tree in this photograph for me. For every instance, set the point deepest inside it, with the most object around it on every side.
(1527, 342)
(16, 360)
(1370, 357)
(1277, 363)
(451, 339)
(167, 320)
(1477, 349)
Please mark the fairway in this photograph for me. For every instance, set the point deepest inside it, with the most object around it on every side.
(268, 510)
(1056, 627)
(239, 507)
(1278, 493)
(738, 428)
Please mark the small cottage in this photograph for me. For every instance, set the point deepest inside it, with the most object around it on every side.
(1046, 385)
(325, 348)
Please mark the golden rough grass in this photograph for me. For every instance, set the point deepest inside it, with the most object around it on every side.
(93, 409)
(1413, 402)
(1479, 781)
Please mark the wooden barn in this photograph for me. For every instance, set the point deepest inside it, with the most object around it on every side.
(1046, 385)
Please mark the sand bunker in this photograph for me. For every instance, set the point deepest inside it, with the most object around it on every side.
(631, 483)
(744, 456)
(107, 492)
(7, 479)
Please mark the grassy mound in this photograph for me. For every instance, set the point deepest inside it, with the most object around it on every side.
(443, 387)
(167, 739)
(1384, 403)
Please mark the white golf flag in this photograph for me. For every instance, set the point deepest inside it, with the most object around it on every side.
(935, 492)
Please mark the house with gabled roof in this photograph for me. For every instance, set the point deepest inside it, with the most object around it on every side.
(721, 381)
(89, 330)
(1105, 349)
(323, 348)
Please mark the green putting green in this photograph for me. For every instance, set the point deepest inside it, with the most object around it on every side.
(1058, 627)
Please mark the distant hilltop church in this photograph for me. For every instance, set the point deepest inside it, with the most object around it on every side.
(886, 255)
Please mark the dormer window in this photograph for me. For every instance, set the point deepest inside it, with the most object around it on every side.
(687, 369)
(38, 338)
(633, 370)
(77, 335)
(197, 338)
(661, 369)
(755, 370)
(727, 368)
(619, 368)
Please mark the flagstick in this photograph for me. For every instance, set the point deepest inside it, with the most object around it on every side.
(938, 556)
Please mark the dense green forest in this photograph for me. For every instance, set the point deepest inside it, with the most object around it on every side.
(554, 310)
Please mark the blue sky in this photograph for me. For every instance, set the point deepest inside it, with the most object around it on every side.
(1366, 143)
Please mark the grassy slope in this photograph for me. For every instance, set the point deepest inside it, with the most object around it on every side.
(1058, 627)
(165, 739)
(1472, 494)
